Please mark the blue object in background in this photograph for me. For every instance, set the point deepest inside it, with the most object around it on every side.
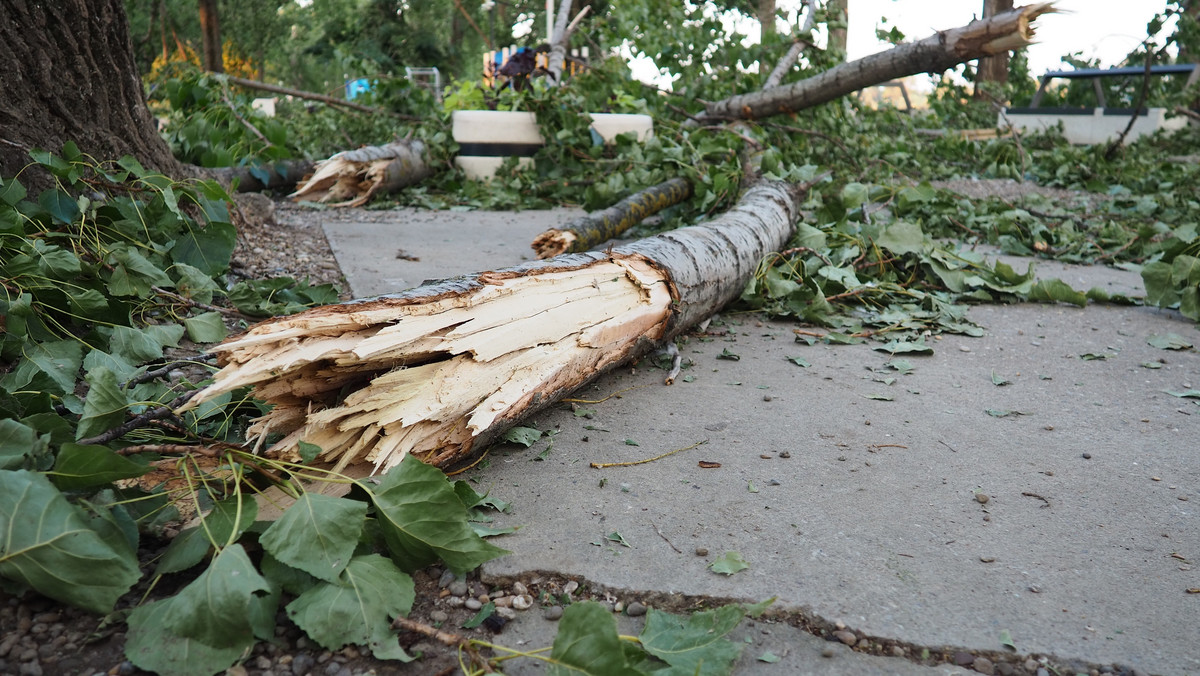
(355, 87)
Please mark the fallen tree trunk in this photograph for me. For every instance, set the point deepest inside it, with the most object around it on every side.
(597, 227)
(441, 370)
(279, 176)
(946, 49)
(350, 178)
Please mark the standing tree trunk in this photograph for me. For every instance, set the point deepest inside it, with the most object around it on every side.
(766, 29)
(69, 75)
(210, 34)
(839, 20)
(993, 68)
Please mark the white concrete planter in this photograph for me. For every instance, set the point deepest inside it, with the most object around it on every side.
(488, 137)
(1090, 125)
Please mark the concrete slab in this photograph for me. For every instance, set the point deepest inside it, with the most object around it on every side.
(850, 487)
(407, 246)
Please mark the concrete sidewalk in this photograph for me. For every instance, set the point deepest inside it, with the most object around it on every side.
(854, 489)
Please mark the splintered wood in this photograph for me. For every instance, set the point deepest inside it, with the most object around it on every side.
(352, 177)
(376, 380)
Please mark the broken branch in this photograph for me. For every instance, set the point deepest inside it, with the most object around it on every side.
(943, 50)
(588, 231)
(441, 370)
(352, 177)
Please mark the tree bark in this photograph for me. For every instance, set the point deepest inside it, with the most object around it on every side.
(993, 69)
(210, 37)
(441, 370)
(839, 21)
(352, 177)
(598, 227)
(558, 42)
(934, 54)
(766, 29)
(69, 75)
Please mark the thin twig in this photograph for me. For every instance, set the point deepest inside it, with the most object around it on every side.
(140, 421)
(1035, 495)
(603, 465)
(664, 537)
(600, 401)
(236, 114)
(809, 132)
(676, 363)
(1137, 107)
(164, 370)
(197, 304)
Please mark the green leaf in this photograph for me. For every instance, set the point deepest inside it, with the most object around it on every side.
(214, 609)
(1006, 640)
(59, 360)
(999, 381)
(1151, 365)
(19, 444)
(78, 467)
(902, 238)
(48, 547)
(1160, 291)
(631, 442)
(880, 397)
(525, 436)
(309, 452)
(207, 249)
(1058, 291)
(358, 608)
(145, 344)
(903, 366)
(587, 643)
(1002, 413)
(317, 535)
(151, 646)
(1188, 394)
(227, 520)
(696, 643)
(726, 354)
(799, 361)
(423, 520)
(60, 204)
(768, 657)
(1095, 356)
(484, 613)
(1168, 341)
(917, 346)
(729, 564)
(205, 328)
(618, 538)
(105, 405)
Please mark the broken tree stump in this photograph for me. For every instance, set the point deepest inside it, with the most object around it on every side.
(598, 227)
(441, 370)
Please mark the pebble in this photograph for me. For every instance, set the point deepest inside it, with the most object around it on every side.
(767, 397)
(1005, 669)
(987, 559)
(982, 498)
(522, 602)
(31, 669)
(636, 609)
(1031, 665)
(963, 348)
(568, 588)
(262, 662)
(454, 601)
(963, 659)
(1087, 456)
(846, 637)
(303, 663)
(701, 551)
(618, 606)
(472, 604)
(458, 588)
(438, 616)
(504, 601)
(828, 651)
(507, 613)
(446, 578)
(897, 651)
(519, 588)
(785, 454)
(553, 613)
(984, 666)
